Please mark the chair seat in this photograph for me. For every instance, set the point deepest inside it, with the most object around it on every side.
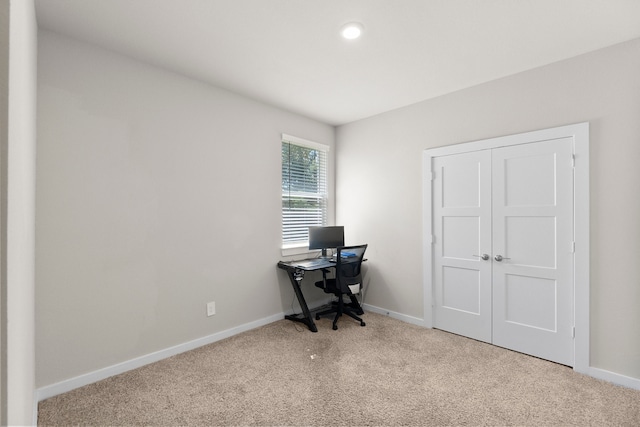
(330, 286)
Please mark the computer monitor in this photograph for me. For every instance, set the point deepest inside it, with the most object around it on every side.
(326, 238)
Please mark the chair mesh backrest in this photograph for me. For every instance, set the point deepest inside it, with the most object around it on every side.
(348, 266)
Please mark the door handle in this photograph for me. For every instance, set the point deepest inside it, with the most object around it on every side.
(500, 258)
(483, 256)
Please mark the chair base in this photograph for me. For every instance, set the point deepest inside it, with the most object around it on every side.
(354, 305)
(339, 308)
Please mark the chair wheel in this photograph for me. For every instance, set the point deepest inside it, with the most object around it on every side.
(335, 327)
(317, 317)
(362, 324)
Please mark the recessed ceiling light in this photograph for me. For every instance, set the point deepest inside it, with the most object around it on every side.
(352, 30)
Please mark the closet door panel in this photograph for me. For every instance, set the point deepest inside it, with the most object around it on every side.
(532, 208)
(462, 233)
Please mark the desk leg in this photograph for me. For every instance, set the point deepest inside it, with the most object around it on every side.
(355, 305)
(296, 278)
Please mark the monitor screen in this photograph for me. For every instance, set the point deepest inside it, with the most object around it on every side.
(326, 238)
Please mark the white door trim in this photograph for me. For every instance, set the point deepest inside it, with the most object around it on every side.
(580, 134)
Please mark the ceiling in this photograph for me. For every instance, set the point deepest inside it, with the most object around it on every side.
(289, 53)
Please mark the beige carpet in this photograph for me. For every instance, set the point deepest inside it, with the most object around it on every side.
(386, 373)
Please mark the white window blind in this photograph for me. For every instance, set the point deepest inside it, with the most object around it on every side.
(304, 189)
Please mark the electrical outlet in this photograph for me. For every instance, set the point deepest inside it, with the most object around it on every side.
(211, 308)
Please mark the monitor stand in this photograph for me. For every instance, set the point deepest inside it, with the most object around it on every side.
(324, 254)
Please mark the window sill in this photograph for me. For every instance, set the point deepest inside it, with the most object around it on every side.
(298, 250)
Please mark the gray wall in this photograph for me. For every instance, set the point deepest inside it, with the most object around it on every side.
(155, 194)
(142, 217)
(383, 155)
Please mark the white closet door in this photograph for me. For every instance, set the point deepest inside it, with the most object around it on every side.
(462, 234)
(514, 207)
(533, 233)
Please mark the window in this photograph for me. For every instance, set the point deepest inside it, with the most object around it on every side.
(304, 189)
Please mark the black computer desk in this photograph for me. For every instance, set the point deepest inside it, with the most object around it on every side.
(296, 270)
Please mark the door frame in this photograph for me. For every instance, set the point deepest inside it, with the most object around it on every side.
(580, 134)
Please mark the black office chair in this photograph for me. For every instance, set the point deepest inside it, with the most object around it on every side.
(347, 281)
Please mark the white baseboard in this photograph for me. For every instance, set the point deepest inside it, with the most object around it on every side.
(92, 377)
(614, 378)
(601, 374)
(393, 314)
(104, 373)
(101, 374)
